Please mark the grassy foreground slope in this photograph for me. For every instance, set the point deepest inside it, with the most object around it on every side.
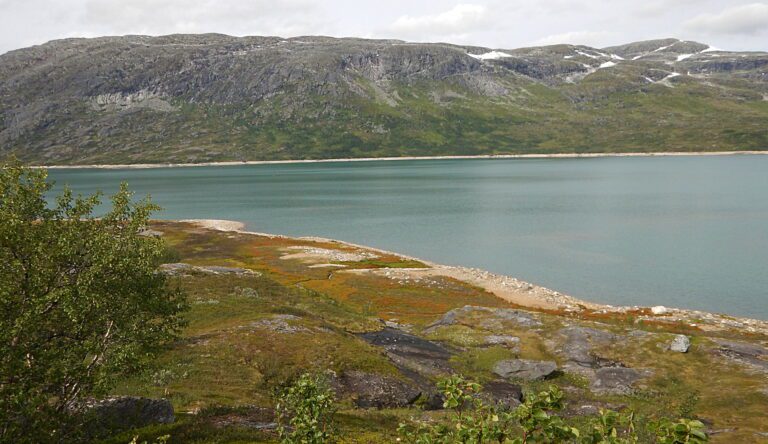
(202, 98)
(311, 305)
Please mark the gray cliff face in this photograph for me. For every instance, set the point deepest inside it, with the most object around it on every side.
(215, 97)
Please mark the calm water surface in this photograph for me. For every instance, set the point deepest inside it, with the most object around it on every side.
(675, 231)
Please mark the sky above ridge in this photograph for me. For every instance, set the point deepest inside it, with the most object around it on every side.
(726, 24)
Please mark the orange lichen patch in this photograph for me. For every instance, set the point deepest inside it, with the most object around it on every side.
(413, 303)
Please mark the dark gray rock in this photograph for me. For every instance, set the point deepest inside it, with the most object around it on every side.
(412, 353)
(503, 393)
(524, 369)
(377, 391)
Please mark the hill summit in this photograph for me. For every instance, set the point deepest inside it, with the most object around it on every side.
(212, 97)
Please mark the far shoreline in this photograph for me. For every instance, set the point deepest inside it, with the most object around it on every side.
(403, 158)
(537, 297)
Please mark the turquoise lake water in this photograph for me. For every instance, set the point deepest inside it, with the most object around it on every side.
(677, 231)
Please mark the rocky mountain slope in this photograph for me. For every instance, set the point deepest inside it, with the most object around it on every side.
(197, 98)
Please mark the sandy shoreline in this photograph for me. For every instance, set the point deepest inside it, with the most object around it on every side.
(373, 159)
(514, 290)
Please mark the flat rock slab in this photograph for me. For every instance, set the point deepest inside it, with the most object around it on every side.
(742, 348)
(614, 380)
(524, 369)
(496, 315)
(753, 356)
(579, 342)
(280, 323)
(411, 352)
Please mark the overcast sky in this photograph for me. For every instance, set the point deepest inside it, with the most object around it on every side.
(726, 24)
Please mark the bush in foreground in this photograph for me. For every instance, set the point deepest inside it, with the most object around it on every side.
(81, 303)
(474, 421)
(306, 409)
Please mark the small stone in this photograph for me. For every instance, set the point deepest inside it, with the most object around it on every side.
(659, 310)
(680, 344)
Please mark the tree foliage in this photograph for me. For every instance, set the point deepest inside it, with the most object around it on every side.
(81, 301)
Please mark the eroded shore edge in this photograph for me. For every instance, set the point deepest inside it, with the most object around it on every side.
(519, 292)
(373, 159)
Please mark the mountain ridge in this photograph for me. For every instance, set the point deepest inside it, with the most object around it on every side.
(210, 97)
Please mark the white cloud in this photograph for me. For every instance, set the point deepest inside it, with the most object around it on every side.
(234, 16)
(747, 19)
(458, 20)
(589, 38)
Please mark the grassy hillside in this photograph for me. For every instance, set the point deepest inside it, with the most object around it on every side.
(249, 333)
(217, 98)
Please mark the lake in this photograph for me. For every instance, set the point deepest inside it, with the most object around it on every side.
(677, 231)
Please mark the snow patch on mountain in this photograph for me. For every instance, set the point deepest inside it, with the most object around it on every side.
(492, 55)
(586, 54)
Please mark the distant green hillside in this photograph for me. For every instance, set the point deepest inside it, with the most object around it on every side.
(199, 98)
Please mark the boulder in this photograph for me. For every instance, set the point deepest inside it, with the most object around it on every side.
(680, 344)
(370, 390)
(524, 369)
